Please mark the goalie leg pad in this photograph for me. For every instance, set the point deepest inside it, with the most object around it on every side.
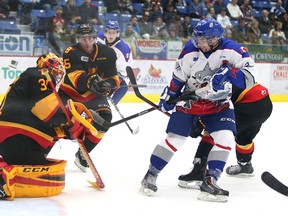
(34, 180)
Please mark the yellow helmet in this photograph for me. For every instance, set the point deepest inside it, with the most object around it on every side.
(53, 63)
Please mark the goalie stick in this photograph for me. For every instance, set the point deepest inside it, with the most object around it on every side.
(274, 183)
(99, 183)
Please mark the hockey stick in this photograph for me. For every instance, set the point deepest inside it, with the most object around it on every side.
(129, 86)
(132, 78)
(274, 183)
(99, 120)
(99, 183)
(133, 131)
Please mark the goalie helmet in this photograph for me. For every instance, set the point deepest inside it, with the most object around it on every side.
(54, 64)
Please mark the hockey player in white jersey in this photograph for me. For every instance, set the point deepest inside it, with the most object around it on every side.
(204, 69)
(111, 38)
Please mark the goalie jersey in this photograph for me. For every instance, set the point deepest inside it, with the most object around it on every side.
(31, 108)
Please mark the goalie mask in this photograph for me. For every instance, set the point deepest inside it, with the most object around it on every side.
(54, 64)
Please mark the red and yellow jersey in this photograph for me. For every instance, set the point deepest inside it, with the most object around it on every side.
(31, 108)
(256, 93)
(80, 65)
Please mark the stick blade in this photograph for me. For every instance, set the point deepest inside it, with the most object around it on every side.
(135, 131)
(97, 185)
(274, 183)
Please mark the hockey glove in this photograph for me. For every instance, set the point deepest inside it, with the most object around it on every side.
(223, 75)
(165, 96)
(98, 87)
(73, 131)
(197, 129)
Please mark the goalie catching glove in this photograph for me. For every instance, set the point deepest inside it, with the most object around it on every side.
(169, 93)
(98, 86)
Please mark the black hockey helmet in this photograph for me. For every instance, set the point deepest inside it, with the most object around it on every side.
(86, 30)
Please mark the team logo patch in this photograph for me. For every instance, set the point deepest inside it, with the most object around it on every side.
(84, 58)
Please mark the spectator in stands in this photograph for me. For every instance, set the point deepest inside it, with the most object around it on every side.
(277, 33)
(211, 13)
(272, 19)
(278, 9)
(147, 5)
(49, 4)
(218, 6)
(129, 33)
(228, 34)
(176, 26)
(4, 9)
(89, 13)
(254, 32)
(265, 24)
(134, 24)
(126, 7)
(112, 6)
(224, 20)
(155, 12)
(195, 9)
(72, 25)
(247, 10)
(163, 34)
(187, 29)
(25, 12)
(173, 36)
(57, 31)
(234, 10)
(146, 27)
(130, 36)
(208, 4)
(169, 14)
(180, 3)
(284, 21)
(71, 10)
(240, 32)
(157, 25)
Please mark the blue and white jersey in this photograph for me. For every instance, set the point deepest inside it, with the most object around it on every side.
(195, 69)
(123, 53)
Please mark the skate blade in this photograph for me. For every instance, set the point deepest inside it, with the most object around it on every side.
(212, 198)
(82, 168)
(242, 175)
(146, 191)
(190, 185)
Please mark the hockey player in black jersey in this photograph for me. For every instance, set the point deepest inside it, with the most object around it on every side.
(91, 77)
(31, 122)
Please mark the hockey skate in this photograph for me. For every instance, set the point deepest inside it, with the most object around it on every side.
(3, 195)
(194, 179)
(148, 187)
(241, 170)
(210, 191)
(80, 161)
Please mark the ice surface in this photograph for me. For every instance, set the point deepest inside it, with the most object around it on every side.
(122, 160)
